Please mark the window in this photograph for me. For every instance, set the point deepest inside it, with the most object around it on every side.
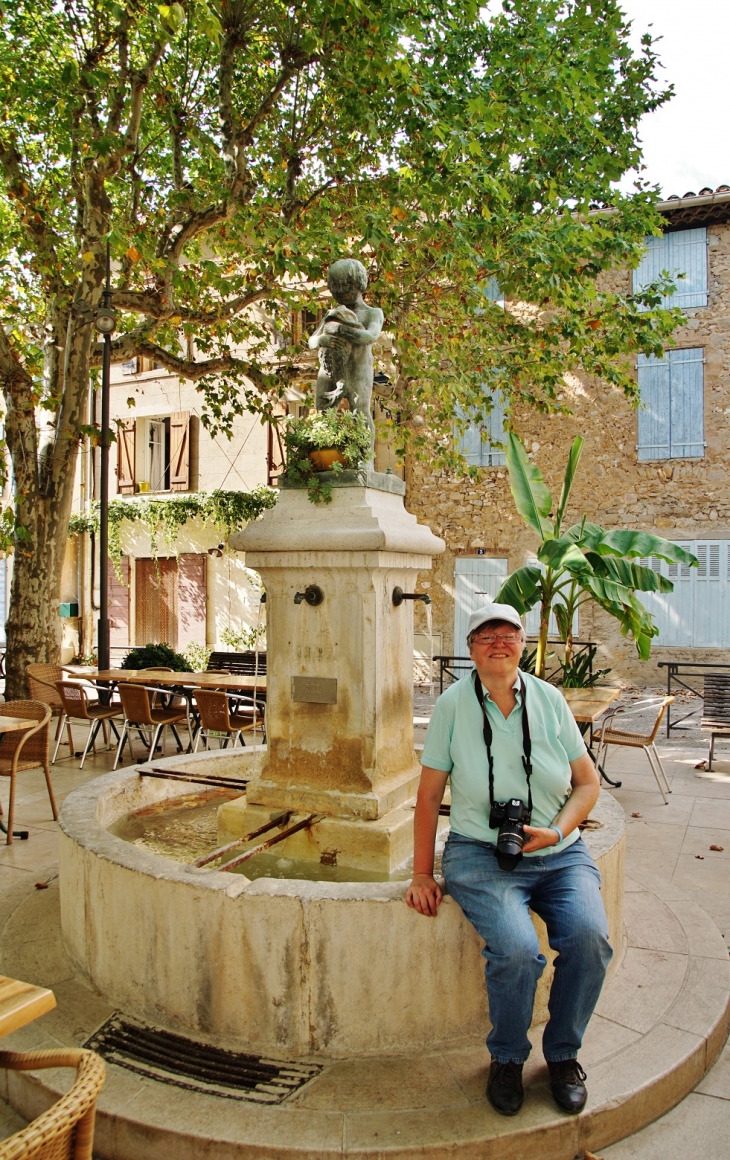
(697, 613)
(476, 444)
(683, 252)
(671, 420)
(153, 454)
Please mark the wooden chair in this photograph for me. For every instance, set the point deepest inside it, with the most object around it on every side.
(716, 711)
(41, 680)
(607, 735)
(216, 716)
(140, 713)
(26, 749)
(76, 706)
(66, 1130)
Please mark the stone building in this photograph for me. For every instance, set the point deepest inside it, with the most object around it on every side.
(664, 468)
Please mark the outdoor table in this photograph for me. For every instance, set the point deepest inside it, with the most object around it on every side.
(236, 682)
(21, 1003)
(185, 683)
(588, 706)
(12, 725)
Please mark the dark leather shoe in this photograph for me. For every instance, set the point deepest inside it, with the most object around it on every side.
(567, 1083)
(504, 1088)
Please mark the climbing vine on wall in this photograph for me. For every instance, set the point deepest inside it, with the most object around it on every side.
(163, 518)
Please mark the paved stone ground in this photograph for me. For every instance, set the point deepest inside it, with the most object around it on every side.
(665, 840)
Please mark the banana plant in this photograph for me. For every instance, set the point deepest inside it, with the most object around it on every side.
(583, 564)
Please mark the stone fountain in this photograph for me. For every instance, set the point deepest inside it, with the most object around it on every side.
(291, 965)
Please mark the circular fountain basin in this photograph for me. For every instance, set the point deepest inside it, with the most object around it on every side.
(276, 966)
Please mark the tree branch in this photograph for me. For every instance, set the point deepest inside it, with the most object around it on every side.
(158, 308)
(127, 346)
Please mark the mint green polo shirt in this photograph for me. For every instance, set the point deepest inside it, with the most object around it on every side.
(455, 745)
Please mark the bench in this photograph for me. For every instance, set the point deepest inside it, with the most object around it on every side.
(245, 662)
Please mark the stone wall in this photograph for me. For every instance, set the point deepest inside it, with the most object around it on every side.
(678, 498)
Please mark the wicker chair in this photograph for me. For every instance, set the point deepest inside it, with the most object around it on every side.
(41, 681)
(76, 706)
(66, 1130)
(607, 735)
(216, 716)
(26, 749)
(140, 713)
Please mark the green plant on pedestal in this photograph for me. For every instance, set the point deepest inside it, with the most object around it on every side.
(344, 431)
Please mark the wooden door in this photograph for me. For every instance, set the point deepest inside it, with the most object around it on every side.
(156, 601)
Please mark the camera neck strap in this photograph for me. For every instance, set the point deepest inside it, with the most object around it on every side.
(488, 737)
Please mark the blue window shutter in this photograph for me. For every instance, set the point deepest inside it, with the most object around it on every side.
(687, 253)
(494, 456)
(653, 418)
(470, 443)
(476, 442)
(686, 391)
(493, 292)
(683, 252)
(477, 580)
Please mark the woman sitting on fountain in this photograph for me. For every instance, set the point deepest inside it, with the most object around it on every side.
(514, 754)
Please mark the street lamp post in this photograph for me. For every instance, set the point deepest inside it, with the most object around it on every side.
(105, 322)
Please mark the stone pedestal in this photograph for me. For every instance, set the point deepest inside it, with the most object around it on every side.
(340, 673)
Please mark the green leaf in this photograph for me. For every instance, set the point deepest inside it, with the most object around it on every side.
(532, 498)
(570, 470)
(635, 576)
(561, 554)
(626, 542)
(522, 590)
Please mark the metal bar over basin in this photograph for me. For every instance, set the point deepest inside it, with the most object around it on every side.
(279, 820)
(193, 778)
(311, 820)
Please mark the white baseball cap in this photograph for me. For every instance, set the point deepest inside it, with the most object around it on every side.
(493, 611)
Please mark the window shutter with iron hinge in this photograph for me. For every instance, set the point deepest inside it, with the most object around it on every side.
(180, 451)
(126, 456)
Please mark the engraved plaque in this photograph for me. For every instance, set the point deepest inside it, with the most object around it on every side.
(317, 690)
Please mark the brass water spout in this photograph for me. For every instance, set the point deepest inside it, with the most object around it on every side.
(312, 595)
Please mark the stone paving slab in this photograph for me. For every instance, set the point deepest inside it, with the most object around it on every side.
(660, 1025)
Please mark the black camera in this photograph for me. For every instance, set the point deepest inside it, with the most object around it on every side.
(509, 819)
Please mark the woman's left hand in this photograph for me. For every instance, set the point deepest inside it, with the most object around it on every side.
(539, 838)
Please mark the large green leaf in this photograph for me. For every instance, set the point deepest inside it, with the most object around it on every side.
(626, 542)
(562, 553)
(532, 498)
(570, 470)
(523, 589)
(629, 574)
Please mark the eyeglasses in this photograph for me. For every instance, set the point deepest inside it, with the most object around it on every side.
(491, 637)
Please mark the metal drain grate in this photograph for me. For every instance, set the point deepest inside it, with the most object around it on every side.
(199, 1067)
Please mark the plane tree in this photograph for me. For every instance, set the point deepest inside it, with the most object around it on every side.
(224, 151)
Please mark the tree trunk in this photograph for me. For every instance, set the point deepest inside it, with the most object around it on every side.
(542, 639)
(33, 628)
(44, 482)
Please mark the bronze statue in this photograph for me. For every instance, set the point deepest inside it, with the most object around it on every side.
(345, 340)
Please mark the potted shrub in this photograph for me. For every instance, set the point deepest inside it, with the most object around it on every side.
(326, 441)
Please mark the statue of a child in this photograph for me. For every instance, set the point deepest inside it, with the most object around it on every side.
(345, 340)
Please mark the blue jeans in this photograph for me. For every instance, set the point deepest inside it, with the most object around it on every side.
(563, 889)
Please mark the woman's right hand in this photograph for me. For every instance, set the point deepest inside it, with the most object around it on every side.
(424, 895)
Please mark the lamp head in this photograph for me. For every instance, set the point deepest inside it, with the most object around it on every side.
(105, 320)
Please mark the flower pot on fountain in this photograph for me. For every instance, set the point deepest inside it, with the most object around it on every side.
(339, 671)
